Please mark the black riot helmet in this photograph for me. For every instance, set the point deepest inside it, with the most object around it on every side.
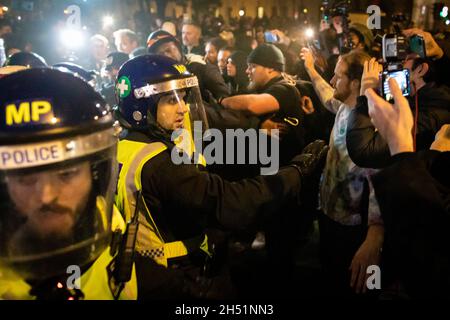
(57, 174)
(26, 59)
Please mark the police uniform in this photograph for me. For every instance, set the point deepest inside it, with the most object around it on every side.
(177, 202)
(57, 144)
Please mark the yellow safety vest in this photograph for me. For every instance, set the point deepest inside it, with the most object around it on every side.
(132, 157)
(95, 282)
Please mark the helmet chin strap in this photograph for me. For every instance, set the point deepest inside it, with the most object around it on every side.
(124, 123)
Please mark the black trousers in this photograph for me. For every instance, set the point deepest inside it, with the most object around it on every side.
(338, 245)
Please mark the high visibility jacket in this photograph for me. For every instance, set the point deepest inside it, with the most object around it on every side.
(94, 283)
(151, 242)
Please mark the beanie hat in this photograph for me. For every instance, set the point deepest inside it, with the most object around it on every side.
(267, 55)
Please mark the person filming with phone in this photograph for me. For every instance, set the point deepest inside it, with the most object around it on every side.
(428, 99)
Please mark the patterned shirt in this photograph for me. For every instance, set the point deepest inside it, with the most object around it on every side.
(342, 183)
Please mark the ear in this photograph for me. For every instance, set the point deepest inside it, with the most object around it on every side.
(355, 85)
(271, 70)
(422, 69)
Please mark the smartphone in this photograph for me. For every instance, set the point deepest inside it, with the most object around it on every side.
(314, 43)
(402, 78)
(417, 45)
(270, 37)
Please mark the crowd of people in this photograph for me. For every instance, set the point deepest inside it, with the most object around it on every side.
(88, 176)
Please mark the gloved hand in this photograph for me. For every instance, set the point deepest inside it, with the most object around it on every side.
(310, 164)
(312, 155)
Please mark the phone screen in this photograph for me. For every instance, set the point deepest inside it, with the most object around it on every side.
(417, 45)
(402, 78)
(270, 37)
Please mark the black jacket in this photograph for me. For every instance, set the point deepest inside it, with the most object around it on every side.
(210, 80)
(184, 199)
(368, 149)
(319, 124)
(414, 198)
(288, 97)
(442, 66)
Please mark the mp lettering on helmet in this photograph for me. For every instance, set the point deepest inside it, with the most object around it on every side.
(181, 68)
(123, 87)
(25, 112)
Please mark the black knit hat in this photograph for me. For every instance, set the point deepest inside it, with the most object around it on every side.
(267, 55)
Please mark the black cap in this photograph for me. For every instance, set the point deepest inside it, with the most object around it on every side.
(115, 60)
(267, 55)
(158, 38)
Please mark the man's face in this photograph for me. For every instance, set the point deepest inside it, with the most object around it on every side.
(341, 82)
(190, 35)
(170, 49)
(51, 201)
(171, 111)
(99, 50)
(211, 53)
(125, 44)
(222, 59)
(258, 76)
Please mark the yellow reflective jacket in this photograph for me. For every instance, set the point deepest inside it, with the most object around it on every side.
(132, 157)
(94, 283)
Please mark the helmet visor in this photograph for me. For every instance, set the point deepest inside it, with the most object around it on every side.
(57, 215)
(182, 112)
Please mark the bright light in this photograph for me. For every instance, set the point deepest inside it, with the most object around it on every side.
(72, 38)
(444, 12)
(424, 10)
(19, 18)
(447, 22)
(241, 13)
(108, 21)
(305, 10)
(260, 12)
(5, 9)
(309, 33)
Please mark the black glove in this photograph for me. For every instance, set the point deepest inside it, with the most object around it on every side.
(310, 164)
(310, 158)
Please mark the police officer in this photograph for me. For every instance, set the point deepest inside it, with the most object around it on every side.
(158, 99)
(58, 174)
(26, 59)
(210, 80)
